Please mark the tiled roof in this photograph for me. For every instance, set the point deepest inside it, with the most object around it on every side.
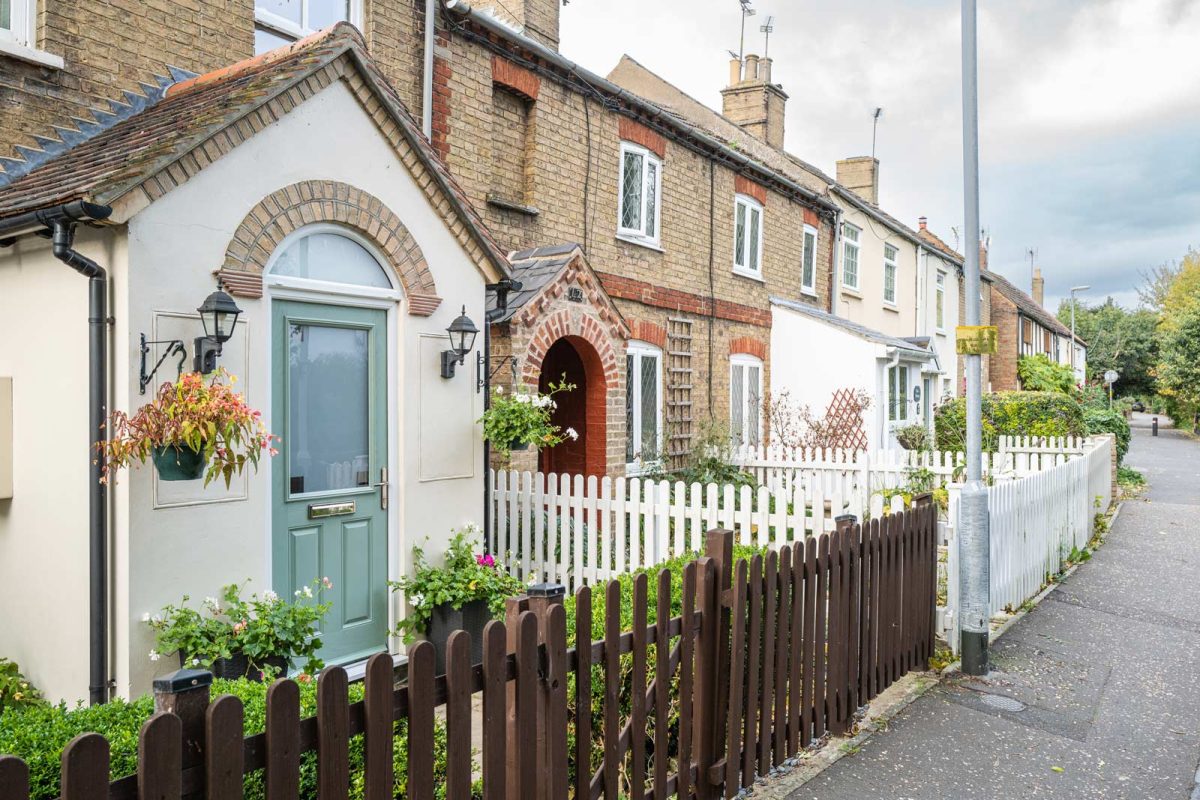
(105, 163)
(1028, 306)
(534, 268)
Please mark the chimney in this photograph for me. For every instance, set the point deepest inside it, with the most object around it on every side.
(753, 102)
(538, 19)
(923, 223)
(983, 253)
(1039, 287)
(861, 176)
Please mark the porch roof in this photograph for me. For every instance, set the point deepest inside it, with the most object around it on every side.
(917, 349)
(190, 120)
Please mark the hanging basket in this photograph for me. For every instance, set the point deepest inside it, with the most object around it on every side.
(179, 464)
(518, 445)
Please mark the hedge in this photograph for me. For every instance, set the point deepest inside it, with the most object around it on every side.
(38, 734)
(1010, 414)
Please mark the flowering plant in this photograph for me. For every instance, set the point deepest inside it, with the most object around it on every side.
(522, 418)
(464, 577)
(259, 627)
(210, 419)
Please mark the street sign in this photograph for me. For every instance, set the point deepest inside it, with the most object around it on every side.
(975, 340)
(1110, 376)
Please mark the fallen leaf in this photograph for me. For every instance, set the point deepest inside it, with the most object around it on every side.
(1058, 769)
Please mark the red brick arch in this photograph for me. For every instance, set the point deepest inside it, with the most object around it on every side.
(748, 346)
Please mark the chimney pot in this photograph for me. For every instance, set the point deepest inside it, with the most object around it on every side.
(752, 102)
(923, 222)
(764, 70)
(735, 71)
(751, 67)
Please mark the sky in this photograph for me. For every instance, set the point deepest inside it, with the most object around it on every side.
(1089, 113)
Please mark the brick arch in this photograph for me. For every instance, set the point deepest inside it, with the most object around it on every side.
(286, 210)
(748, 346)
(564, 324)
(650, 332)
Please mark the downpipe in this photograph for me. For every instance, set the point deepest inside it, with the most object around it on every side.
(62, 247)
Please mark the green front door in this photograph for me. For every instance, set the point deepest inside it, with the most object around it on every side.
(329, 516)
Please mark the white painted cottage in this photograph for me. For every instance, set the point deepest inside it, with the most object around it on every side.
(298, 180)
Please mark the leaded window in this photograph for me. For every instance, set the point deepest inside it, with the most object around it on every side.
(745, 400)
(643, 407)
(641, 185)
(747, 236)
(808, 267)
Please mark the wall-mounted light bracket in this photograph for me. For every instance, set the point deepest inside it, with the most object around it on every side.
(175, 347)
(481, 368)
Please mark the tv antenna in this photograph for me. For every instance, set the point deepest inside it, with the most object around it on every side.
(767, 29)
(747, 11)
(875, 128)
(1032, 253)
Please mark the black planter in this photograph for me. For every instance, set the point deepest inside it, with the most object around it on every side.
(238, 666)
(179, 463)
(518, 445)
(446, 619)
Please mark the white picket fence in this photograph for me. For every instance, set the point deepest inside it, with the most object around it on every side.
(1035, 522)
(575, 530)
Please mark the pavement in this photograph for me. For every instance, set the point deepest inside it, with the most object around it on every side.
(1094, 694)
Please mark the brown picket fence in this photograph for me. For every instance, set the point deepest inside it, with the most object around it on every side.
(763, 659)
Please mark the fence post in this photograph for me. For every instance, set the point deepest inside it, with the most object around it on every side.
(712, 660)
(185, 693)
(513, 608)
(552, 691)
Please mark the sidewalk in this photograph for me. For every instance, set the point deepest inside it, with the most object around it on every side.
(1094, 694)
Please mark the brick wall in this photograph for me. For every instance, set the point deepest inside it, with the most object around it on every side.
(1004, 363)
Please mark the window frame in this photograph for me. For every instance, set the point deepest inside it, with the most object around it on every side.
(809, 288)
(890, 268)
(745, 362)
(939, 302)
(20, 20)
(640, 235)
(847, 245)
(752, 206)
(287, 29)
(896, 403)
(633, 398)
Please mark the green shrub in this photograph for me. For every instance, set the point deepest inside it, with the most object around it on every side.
(39, 733)
(1010, 414)
(1102, 420)
(1040, 374)
(15, 689)
(913, 437)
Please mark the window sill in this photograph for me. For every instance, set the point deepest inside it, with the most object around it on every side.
(941, 332)
(892, 307)
(808, 292)
(646, 243)
(510, 205)
(745, 273)
(29, 54)
(637, 469)
(850, 291)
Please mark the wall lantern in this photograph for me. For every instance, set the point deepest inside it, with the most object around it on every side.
(462, 340)
(219, 315)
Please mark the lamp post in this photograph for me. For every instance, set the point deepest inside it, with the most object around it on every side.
(1074, 289)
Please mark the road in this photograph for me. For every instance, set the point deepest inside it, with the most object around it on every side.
(1095, 693)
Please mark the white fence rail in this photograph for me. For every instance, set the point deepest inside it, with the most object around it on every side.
(1035, 522)
(573, 530)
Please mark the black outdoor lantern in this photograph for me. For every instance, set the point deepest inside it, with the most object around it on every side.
(462, 340)
(219, 315)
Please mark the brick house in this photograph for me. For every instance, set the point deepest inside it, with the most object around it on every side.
(1025, 328)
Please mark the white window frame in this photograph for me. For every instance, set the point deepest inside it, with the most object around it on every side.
(849, 244)
(898, 403)
(807, 252)
(752, 206)
(19, 39)
(288, 29)
(890, 269)
(745, 362)
(640, 235)
(939, 302)
(639, 351)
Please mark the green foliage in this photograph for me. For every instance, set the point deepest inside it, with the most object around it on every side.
(1040, 374)
(464, 577)
(1117, 339)
(913, 437)
(1130, 480)
(1179, 366)
(1010, 414)
(711, 460)
(1103, 420)
(260, 627)
(523, 418)
(38, 734)
(15, 690)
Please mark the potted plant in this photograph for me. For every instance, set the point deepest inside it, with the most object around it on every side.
(913, 437)
(254, 638)
(190, 429)
(463, 594)
(516, 420)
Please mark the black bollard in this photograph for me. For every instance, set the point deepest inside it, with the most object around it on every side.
(1154, 427)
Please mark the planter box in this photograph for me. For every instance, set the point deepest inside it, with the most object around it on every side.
(446, 619)
(238, 666)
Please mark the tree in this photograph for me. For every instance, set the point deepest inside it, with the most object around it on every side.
(1157, 282)
(1117, 339)
(1179, 364)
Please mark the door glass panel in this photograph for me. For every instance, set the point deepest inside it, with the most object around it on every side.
(330, 257)
(328, 446)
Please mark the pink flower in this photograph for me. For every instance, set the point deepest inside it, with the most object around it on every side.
(486, 560)
(328, 584)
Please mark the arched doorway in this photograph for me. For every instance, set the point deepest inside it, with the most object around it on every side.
(582, 410)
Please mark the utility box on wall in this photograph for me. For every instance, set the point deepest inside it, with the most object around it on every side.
(6, 439)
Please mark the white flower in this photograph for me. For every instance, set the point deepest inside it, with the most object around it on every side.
(307, 591)
(213, 604)
(156, 619)
(195, 662)
(416, 600)
(146, 617)
(296, 593)
(499, 390)
(572, 434)
(270, 596)
(154, 655)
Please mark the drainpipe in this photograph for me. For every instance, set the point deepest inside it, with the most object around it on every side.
(63, 237)
(427, 75)
(884, 440)
(835, 285)
(501, 288)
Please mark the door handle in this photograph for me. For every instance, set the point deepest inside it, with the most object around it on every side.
(383, 488)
